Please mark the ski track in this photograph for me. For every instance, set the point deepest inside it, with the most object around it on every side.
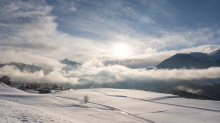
(146, 100)
(111, 108)
(161, 102)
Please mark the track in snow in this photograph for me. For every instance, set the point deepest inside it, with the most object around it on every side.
(161, 102)
(111, 108)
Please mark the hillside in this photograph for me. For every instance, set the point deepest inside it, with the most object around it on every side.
(105, 105)
(187, 61)
(193, 60)
(218, 62)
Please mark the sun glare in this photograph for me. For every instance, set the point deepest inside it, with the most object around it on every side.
(120, 50)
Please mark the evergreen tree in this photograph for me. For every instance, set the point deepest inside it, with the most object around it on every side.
(6, 80)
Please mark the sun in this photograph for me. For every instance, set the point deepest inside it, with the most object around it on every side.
(120, 50)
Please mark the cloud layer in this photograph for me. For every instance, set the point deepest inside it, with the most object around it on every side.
(95, 71)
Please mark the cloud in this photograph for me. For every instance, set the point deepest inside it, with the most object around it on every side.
(63, 6)
(30, 27)
(153, 58)
(189, 90)
(149, 50)
(188, 38)
(21, 13)
(94, 71)
(30, 45)
(127, 74)
(28, 24)
(35, 27)
(8, 56)
(18, 76)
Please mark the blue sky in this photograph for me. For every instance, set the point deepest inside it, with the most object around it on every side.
(81, 29)
(115, 40)
(143, 17)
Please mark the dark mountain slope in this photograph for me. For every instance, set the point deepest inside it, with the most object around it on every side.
(187, 61)
(69, 62)
(218, 62)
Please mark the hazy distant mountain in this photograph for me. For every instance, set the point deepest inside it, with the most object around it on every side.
(69, 62)
(195, 60)
(27, 68)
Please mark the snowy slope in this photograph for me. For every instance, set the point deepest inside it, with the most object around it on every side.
(18, 106)
(105, 105)
(153, 107)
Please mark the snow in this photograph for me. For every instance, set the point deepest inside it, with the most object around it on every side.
(215, 55)
(201, 56)
(105, 105)
(212, 57)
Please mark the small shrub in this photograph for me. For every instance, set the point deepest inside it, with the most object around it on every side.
(86, 99)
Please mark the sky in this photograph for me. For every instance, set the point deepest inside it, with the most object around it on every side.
(43, 32)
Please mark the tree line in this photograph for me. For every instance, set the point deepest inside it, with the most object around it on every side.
(30, 85)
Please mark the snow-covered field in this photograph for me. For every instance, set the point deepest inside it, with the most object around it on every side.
(105, 105)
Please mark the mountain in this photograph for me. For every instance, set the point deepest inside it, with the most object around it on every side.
(218, 62)
(215, 55)
(191, 60)
(211, 57)
(187, 61)
(27, 67)
(69, 62)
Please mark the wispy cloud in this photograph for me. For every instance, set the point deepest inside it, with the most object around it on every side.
(84, 29)
(32, 29)
(63, 6)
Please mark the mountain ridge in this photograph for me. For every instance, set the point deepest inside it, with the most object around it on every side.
(192, 60)
(69, 62)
